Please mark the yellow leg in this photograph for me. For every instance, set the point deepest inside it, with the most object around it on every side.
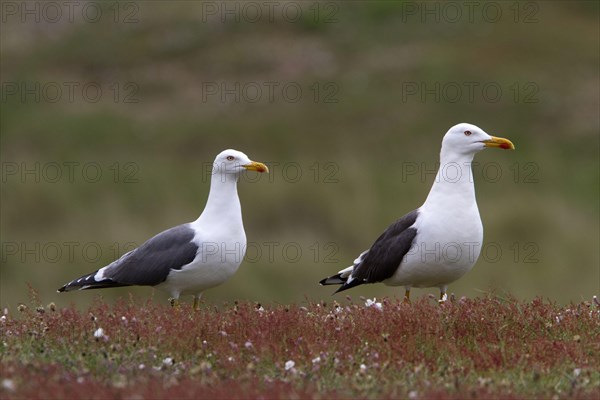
(197, 302)
(406, 296)
(174, 302)
(443, 296)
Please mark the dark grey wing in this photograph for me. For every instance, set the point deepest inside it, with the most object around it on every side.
(149, 264)
(386, 254)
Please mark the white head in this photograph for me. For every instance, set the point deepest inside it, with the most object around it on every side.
(235, 162)
(468, 139)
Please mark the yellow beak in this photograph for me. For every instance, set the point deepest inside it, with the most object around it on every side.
(256, 166)
(499, 142)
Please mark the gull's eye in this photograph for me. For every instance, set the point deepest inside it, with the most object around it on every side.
(230, 158)
(467, 133)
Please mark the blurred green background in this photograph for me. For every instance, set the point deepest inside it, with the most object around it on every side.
(112, 113)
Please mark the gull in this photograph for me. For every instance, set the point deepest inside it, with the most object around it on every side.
(439, 242)
(193, 257)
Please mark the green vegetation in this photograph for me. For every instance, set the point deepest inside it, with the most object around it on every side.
(482, 348)
(357, 156)
(86, 175)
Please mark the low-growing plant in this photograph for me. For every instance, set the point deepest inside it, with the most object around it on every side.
(483, 347)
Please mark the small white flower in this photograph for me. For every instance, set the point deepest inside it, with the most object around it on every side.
(8, 384)
(316, 360)
(168, 361)
(98, 333)
(141, 366)
(223, 333)
(289, 365)
(80, 379)
(3, 318)
(363, 368)
(576, 372)
(230, 359)
(484, 381)
(413, 394)
(248, 344)
(373, 303)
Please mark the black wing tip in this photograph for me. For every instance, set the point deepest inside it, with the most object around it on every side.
(340, 289)
(323, 282)
(105, 284)
(89, 282)
(343, 282)
(333, 280)
(70, 286)
(350, 285)
(79, 283)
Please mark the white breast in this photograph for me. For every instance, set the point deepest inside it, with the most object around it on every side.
(449, 235)
(217, 260)
(442, 252)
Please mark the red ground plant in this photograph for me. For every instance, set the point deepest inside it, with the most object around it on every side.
(471, 348)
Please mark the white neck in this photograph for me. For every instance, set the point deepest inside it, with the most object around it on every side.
(223, 204)
(454, 180)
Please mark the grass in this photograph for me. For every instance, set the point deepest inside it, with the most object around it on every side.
(487, 347)
(369, 135)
